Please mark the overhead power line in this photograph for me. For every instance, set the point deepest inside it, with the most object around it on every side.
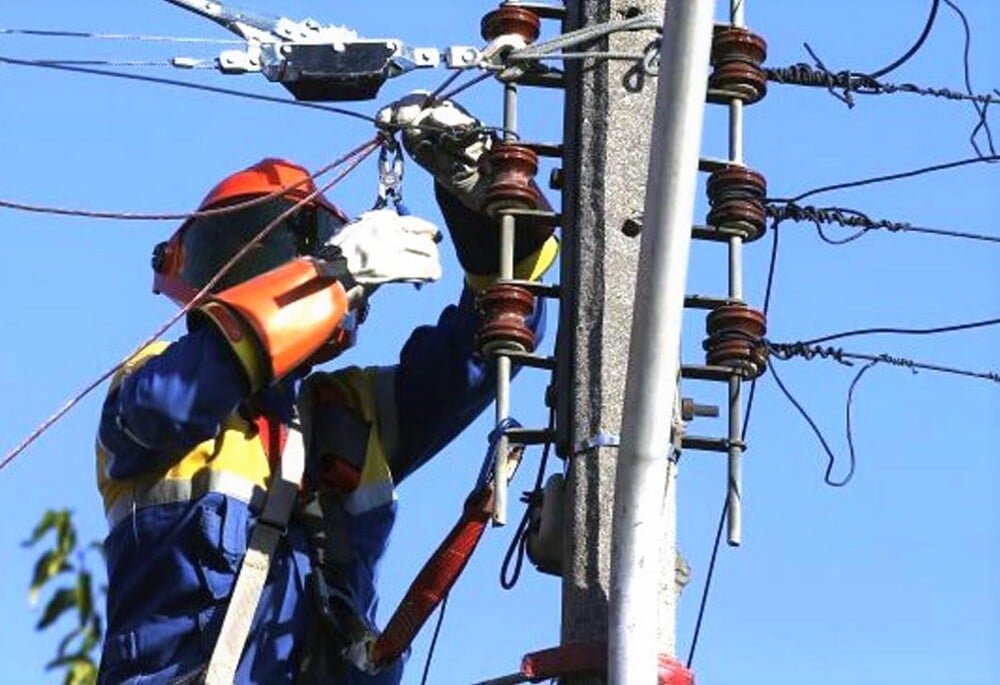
(184, 84)
(351, 160)
(879, 73)
(937, 330)
(944, 166)
(854, 218)
(40, 33)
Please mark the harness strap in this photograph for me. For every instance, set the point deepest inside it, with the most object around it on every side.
(271, 524)
(442, 570)
(435, 579)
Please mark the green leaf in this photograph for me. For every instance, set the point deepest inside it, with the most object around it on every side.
(64, 646)
(61, 601)
(51, 520)
(49, 565)
(81, 671)
(84, 596)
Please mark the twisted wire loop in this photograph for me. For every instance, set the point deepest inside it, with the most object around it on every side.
(786, 351)
(802, 74)
(841, 216)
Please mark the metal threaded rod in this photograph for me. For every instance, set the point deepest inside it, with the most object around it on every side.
(734, 481)
(507, 225)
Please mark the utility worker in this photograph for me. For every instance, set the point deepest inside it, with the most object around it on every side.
(192, 432)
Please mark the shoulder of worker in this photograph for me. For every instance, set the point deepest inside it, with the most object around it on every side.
(138, 360)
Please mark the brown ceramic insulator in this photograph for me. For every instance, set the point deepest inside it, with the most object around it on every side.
(736, 182)
(748, 219)
(509, 20)
(731, 43)
(736, 317)
(737, 55)
(747, 358)
(512, 168)
(736, 339)
(505, 309)
(746, 81)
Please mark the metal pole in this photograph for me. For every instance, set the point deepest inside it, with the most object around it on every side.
(507, 226)
(654, 351)
(734, 482)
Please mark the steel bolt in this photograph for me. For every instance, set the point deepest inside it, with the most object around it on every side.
(556, 179)
(632, 226)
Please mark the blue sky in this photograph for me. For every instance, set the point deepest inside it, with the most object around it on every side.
(890, 580)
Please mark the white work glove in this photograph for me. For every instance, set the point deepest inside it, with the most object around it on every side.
(444, 139)
(383, 247)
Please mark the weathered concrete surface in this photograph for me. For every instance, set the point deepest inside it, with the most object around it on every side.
(609, 115)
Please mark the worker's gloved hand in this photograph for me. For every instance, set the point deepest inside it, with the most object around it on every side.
(382, 246)
(444, 139)
(449, 142)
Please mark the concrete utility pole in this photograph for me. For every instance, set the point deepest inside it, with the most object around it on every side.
(609, 114)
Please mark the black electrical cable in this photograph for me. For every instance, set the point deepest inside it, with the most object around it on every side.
(768, 290)
(903, 331)
(832, 460)
(184, 84)
(980, 107)
(888, 177)
(916, 46)
(434, 639)
(518, 544)
(847, 217)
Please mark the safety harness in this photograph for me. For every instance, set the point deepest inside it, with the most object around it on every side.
(282, 495)
(357, 641)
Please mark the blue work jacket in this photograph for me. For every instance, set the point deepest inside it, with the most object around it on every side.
(182, 465)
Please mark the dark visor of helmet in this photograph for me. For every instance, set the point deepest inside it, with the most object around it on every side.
(210, 242)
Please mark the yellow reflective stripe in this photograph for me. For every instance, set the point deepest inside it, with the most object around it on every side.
(241, 340)
(170, 491)
(531, 268)
(368, 497)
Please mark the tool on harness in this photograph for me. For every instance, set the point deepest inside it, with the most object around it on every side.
(371, 652)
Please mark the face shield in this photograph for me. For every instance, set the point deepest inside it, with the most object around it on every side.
(206, 244)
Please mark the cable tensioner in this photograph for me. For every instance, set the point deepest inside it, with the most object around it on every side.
(736, 340)
(737, 56)
(737, 195)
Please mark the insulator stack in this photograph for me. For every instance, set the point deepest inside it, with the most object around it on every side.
(736, 195)
(510, 20)
(505, 308)
(737, 56)
(512, 168)
(736, 340)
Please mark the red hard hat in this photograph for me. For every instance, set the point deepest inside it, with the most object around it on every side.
(197, 250)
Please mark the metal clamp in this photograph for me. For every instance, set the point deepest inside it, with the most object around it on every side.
(390, 175)
(602, 439)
